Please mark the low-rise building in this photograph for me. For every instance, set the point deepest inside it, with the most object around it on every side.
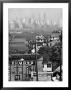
(54, 39)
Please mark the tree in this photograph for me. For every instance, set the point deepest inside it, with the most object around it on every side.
(46, 53)
(56, 52)
(57, 57)
(57, 48)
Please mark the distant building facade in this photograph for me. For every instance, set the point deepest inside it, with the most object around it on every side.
(54, 38)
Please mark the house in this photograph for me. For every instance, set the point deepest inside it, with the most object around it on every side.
(40, 38)
(33, 51)
(47, 67)
(54, 39)
(39, 43)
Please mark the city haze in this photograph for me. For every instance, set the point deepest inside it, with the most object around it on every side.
(51, 14)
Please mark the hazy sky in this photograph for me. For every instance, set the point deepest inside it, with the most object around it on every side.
(54, 14)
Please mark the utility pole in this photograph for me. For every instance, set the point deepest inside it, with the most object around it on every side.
(36, 63)
(36, 66)
(17, 66)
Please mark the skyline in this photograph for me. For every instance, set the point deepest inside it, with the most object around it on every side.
(49, 14)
